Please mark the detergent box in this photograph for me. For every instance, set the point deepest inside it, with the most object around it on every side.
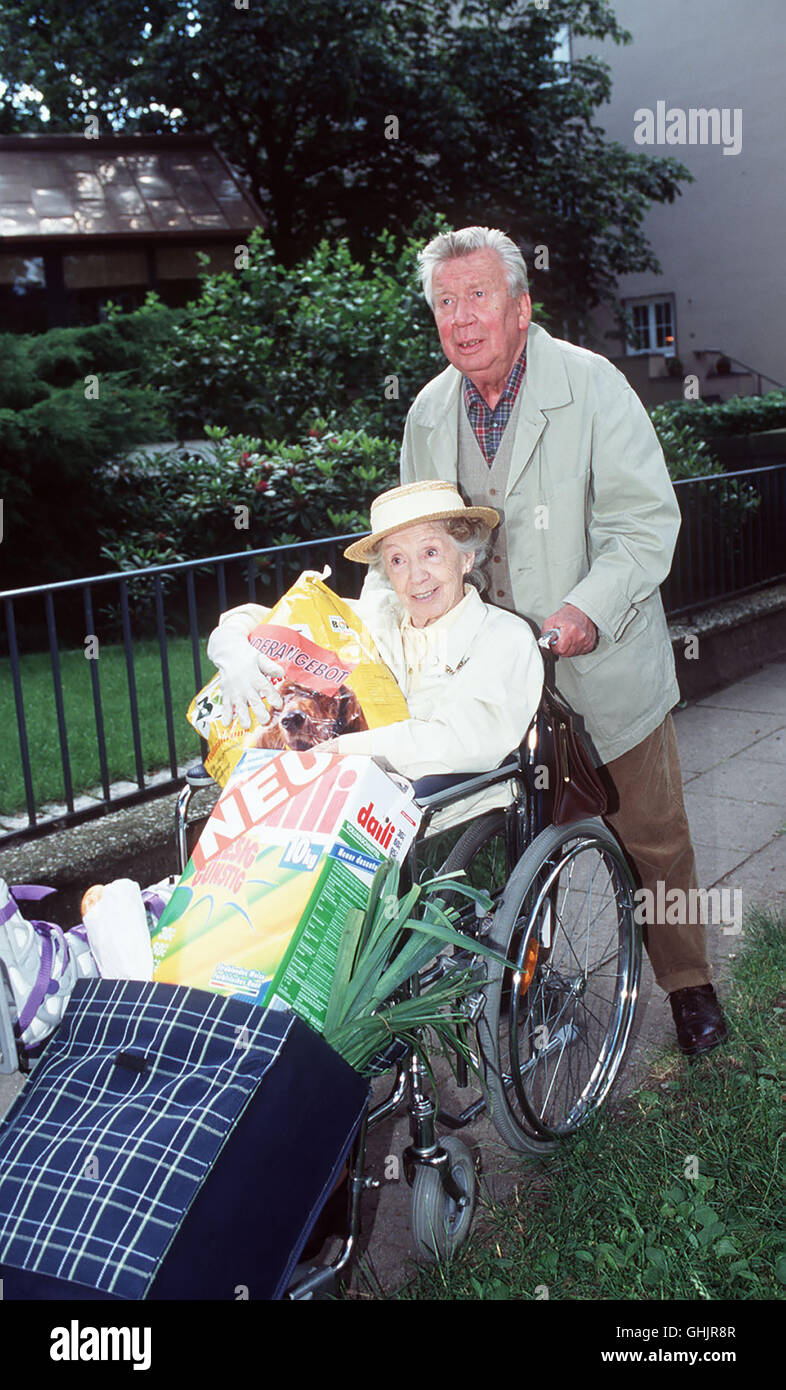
(292, 844)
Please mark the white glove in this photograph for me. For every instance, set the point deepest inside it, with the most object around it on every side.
(323, 574)
(245, 673)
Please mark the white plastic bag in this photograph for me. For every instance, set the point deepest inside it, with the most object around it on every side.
(118, 933)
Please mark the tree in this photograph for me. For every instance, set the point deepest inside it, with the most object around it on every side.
(349, 116)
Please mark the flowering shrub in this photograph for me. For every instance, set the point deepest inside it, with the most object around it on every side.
(246, 494)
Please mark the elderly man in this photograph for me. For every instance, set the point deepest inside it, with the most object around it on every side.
(554, 438)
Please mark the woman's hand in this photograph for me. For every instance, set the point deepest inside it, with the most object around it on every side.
(323, 574)
(245, 677)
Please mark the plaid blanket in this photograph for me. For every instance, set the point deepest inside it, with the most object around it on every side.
(105, 1149)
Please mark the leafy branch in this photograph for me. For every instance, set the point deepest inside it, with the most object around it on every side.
(382, 949)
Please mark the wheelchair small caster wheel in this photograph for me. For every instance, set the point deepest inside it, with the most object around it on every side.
(440, 1224)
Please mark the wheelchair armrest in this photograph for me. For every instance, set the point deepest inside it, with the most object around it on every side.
(198, 776)
(439, 782)
(442, 789)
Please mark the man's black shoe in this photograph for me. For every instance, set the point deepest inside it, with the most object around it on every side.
(698, 1018)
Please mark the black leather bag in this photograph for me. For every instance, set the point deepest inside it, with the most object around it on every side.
(575, 790)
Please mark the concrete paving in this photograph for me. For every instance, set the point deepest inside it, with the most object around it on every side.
(733, 750)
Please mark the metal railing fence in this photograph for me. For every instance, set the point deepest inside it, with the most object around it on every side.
(126, 609)
(733, 540)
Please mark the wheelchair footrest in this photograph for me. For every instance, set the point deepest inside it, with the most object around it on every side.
(465, 1118)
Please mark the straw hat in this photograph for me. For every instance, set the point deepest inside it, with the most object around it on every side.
(411, 505)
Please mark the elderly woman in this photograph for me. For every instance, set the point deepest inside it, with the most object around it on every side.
(471, 673)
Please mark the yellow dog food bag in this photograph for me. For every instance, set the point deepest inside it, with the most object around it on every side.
(334, 681)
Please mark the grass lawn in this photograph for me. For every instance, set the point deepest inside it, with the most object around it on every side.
(618, 1214)
(42, 734)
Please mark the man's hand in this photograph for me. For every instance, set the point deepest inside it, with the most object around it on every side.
(245, 672)
(578, 634)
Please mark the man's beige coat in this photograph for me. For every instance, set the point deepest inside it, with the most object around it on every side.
(591, 519)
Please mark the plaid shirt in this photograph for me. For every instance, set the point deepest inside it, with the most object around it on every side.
(489, 425)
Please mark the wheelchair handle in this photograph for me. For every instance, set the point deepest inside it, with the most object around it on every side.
(549, 638)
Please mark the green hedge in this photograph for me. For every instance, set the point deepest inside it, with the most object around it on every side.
(687, 454)
(266, 348)
(740, 415)
(71, 400)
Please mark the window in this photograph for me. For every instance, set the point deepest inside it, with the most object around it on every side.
(174, 262)
(562, 46)
(104, 269)
(22, 293)
(650, 326)
(561, 55)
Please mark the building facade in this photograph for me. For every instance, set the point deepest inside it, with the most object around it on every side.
(705, 83)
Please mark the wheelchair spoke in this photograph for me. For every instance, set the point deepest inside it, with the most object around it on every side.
(547, 1096)
(598, 967)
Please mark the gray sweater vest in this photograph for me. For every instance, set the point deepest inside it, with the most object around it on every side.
(486, 487)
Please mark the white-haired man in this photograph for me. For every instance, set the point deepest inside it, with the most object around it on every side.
(553, 437)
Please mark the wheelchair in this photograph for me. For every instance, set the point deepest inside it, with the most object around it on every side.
(552, 1025)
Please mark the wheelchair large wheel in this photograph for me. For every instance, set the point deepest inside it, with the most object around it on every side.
(439, 1225)
(555, 1029)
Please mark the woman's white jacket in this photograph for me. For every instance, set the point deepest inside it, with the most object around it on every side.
(471, 700)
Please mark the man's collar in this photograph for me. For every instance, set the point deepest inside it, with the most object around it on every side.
(546, 384)
(515, 377)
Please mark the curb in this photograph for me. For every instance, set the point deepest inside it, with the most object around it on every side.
(719, 645)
